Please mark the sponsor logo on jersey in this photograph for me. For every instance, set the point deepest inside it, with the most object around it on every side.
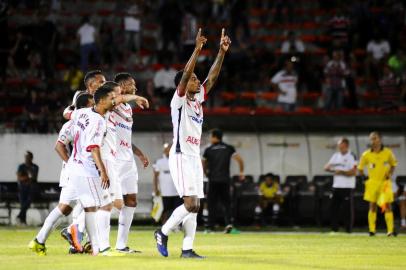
(121, 125)
(196, 119)
(125, 144)
(193, 140)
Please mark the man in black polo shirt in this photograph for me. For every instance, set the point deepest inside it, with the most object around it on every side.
(216, 164)
(27, 174)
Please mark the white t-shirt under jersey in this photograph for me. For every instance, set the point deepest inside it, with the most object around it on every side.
(65, 137)
(187, 120)
(166, 185)
(89, 129)
(344, 162)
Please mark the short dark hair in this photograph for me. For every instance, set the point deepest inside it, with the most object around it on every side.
(90, 75)
(178, 77)
(122, 76)
(217, 133)
(270, 175)
(82, 100)
(30, 154)
(104, 90)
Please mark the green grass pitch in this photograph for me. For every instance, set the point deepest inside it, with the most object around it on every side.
(226, 252)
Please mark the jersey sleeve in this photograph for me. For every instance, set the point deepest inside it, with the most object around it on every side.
(96, 134)
(392, 159)
(276, 78)
(362, 162)
(177, 101)
(65, 134)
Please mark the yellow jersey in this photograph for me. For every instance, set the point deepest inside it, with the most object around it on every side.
(378, 164)
(269, 191)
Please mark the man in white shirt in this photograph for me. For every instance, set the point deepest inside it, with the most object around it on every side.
(163, 83)
(68, 195)
(378, 48)
(184, 157)
(163, 184)
(343, 164)
(285, 83)
(87, 37)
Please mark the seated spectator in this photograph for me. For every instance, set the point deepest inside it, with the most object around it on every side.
(292, 45)
(335, 71)
(285, 83)
(270, 198)
(390, 90)
(164, 83)
(73, 77)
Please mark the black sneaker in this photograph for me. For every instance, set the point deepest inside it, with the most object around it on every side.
(392, 234)
(228, 229)
(73, 250)
(371, 234)
(127, 250)
(190, 254)
(161, 243)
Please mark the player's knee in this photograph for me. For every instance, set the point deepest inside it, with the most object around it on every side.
(130, 200)
(65, 209)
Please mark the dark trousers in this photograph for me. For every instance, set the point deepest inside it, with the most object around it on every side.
(170, 203)
(24, 190)
(342, 205)
(219, 194)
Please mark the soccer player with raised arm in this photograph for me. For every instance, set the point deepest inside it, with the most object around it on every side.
(184, 158)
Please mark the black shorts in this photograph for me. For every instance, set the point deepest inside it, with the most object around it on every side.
(171, 203)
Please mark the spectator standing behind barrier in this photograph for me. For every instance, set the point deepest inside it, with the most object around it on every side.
(27, 174)
(87, 34)
(335, 71)
(216, 164)
(285, 83)
(163, 185)
(344, 166)
(270, 198)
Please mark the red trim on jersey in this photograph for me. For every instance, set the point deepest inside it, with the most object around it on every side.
(91, 147)
(61, 142)
(177, 92)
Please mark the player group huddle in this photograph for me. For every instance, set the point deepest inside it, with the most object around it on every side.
(100, 173)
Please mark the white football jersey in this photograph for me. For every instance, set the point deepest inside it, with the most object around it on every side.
(124, 119)
(89, 129)
(187, 120)
(65, 137)
(109, 148)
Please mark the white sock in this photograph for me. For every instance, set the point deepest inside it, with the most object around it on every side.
(189, 225)
(91, 228)
(176, 218)
(103, 227)
(403, 222)
(78, 217)
(48, 226)
(124, 223)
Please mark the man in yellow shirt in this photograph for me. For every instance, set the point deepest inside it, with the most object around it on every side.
(270, 196)
(380, 163)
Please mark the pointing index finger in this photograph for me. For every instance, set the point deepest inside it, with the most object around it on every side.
(222, 32)
(199, 32)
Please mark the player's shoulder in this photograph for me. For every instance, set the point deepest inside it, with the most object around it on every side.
(366, 153)
(387, 150)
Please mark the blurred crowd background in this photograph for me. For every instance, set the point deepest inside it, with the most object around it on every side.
(287, 56)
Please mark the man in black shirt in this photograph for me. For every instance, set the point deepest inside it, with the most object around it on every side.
(216, 164)
(27, 174)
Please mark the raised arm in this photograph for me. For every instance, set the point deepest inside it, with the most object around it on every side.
(190, 66)
(216, 67)
(141, 101)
